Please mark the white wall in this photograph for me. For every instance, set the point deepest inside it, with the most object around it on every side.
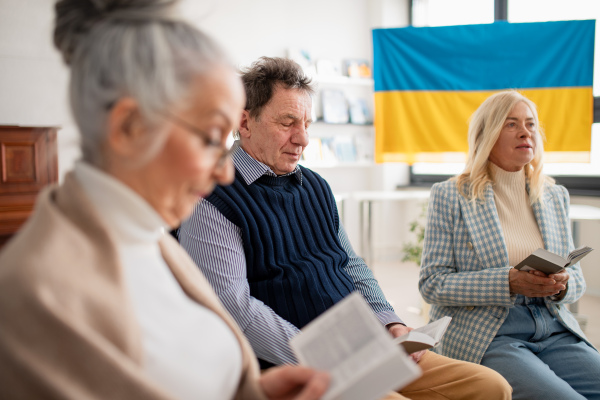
(589, 235)
(250, 29)
(33, 83)
(33, 79)
(331, 29)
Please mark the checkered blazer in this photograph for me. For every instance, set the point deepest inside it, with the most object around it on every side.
(464, 269)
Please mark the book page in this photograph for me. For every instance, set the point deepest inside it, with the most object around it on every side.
(436, 329)
(424, 337)
(351, 344)
(578, 254)
(551, 263)
(415, 341)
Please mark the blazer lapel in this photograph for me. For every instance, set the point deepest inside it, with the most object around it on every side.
(546, 218)
(485, 230)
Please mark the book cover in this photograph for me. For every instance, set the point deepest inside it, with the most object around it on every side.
(326, 67)
(357, 68)
(365, 148)
(359, 111)
(312, 151)
(345, 149)
(551, 263)
(328, 149)
(303, 57)
(335, 107)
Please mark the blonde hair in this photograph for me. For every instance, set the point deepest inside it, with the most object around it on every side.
(484, 129)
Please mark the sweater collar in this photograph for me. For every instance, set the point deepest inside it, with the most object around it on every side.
(131, 217)
(508, 180)
(252, 169)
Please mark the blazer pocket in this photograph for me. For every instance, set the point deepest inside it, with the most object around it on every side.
(497, 312)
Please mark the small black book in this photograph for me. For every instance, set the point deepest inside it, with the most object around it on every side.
(551, 263)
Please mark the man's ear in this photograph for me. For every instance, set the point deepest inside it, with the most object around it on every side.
(244, 128)
(125, 127)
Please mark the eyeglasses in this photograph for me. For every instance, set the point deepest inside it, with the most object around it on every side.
(221, 153)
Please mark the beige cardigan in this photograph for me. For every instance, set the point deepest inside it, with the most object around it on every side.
(67, 327)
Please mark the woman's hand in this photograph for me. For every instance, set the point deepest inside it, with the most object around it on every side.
(562, 277)
(536, 283)
(294, 383)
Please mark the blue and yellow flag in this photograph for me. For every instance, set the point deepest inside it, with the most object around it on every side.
(428, 82)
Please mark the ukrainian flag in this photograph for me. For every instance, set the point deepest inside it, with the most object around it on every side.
(428, 82)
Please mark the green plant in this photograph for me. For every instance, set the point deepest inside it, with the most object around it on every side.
(413, 250)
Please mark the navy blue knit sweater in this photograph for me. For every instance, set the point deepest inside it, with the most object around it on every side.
(294, 257)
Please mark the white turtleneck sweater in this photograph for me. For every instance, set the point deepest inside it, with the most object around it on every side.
(521, 232)
(189, 351)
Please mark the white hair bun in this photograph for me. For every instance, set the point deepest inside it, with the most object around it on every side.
(75, 18)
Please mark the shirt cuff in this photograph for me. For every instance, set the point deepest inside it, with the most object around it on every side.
(388, 317)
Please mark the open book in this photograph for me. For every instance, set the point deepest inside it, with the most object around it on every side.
(360, 355)
(551, 263)
(425, 337)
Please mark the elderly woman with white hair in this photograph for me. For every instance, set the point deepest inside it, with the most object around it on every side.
(483, 222)
(96, 301)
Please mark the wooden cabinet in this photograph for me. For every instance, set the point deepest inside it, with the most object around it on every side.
(28, 162)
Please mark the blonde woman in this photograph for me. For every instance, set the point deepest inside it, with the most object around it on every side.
(482, 223)
(96, 301)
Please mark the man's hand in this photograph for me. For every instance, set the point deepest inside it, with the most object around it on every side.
(399, 330)
(536, 283)
(294, 383)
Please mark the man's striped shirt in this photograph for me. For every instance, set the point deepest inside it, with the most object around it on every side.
(216, 246)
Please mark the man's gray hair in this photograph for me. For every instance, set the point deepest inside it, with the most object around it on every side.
(262, 77)
(135, 48)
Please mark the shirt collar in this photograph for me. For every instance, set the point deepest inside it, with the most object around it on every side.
(252, 169)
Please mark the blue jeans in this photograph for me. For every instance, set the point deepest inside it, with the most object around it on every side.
(540, 358)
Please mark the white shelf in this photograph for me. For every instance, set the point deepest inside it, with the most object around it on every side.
(343, 80)
(321, 122)
(362, 134)
(336, 164)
